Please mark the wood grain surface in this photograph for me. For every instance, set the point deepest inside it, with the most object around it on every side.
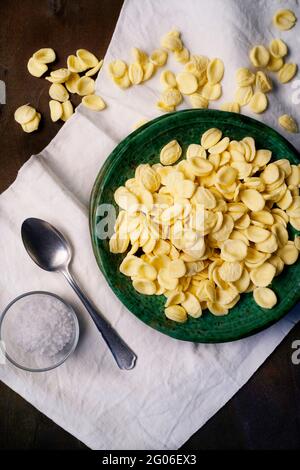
(265, 413)
(26, 26)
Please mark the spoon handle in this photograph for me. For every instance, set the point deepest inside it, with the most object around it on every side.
(125, 358)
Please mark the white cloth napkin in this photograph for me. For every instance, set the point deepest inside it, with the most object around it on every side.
(176, 386)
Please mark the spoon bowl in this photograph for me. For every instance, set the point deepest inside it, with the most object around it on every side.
(45, 245)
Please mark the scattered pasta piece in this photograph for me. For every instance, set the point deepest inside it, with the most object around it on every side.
(28, 118)
(210, 138)
(56, 110)
(165, 280)
(93, 102)
(284, 19)
(95, 69)
(217, 309)
(175, 298)
(125, 199)
(139, 56)
(177, 268)
(263, 82)
(87, 58)
(148, 71)
(130, 265)
(274, 64)
(122, 82)
(59, 76)
(244, 77)
(159, 57)
(182, 56)
(259, 102)
(187, 83)
(288, 253)
(243, 95)
(263, 275)
(71, 83)
(215, 71)
(220, 147)
(24, 114)
(45, 55)
(170, 153)
(278, 48)
(117, 68)
(75, 64)
(264, 297)
(212, 92)
(288, 123)
(252, 199)
(144, 286)
(191, 305)
(168, 79)
(58, 92)
(32, 125)
(164, 107)
(198, 67)
(198, 101)
(176, 313)
(135, 73)
(35, 68)
(171, 97)
(233, 250)
(172, 42)
(259, 56)
(195, 150)
(67, 110)
(287, 72)
(118, 244)
(85, 86)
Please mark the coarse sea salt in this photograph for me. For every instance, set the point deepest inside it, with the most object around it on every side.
(45, 325)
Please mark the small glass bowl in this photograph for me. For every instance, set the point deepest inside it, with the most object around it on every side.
(33, 361)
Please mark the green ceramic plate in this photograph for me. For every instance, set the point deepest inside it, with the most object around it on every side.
(143, 146)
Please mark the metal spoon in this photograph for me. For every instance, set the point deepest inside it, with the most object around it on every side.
(50, 251)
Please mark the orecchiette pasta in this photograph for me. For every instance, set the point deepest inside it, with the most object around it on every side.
(211, 226)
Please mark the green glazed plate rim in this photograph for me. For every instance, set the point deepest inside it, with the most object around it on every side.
(220, 117)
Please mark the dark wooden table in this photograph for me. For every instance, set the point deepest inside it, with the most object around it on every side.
(265, 413)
